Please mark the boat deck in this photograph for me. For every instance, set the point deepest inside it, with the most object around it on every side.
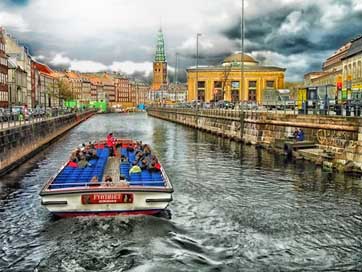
(70, 177)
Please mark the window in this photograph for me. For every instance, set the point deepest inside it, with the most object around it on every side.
(235, 85)
(270, 84)
(201, 84)
(217, 84)
(252, 91)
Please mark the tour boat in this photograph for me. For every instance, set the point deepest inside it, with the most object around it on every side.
(73, 192)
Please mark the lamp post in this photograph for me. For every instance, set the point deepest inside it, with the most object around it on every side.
(176, 68)
(242, 49)
(197, 65)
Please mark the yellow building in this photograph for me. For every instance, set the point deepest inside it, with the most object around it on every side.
(222, 82)
(352, 65)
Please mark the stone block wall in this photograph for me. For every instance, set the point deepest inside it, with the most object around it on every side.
(20, 143)
(332, 133)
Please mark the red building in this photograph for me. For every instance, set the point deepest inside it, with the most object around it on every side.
(122, 90)
(4, 98)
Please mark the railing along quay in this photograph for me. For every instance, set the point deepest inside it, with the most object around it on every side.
(16, 120)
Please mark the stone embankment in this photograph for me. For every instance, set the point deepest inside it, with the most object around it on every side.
(20, 143)
(338, 139)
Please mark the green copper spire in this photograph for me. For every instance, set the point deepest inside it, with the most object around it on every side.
(160, 51)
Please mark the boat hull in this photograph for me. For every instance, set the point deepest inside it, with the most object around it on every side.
(106, 203)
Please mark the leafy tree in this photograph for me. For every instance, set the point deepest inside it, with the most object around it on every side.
(65, 91)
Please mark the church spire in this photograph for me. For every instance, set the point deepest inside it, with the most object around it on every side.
(160, 50)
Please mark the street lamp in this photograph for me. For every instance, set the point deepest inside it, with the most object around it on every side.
(197, 64)
(176, 67)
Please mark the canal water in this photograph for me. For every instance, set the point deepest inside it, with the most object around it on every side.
(236, 208)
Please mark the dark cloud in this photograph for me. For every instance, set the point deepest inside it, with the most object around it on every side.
(142, 76)
(16, 2)
(311, 35)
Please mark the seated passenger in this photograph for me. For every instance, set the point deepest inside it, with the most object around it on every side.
(139, 156)
(73, 157)
(130, 148)
(300, 135)
(83, 163)
(73, 164)
(124, 159)
(108, 181)
(143, 164)
(94, 182)
(135, 169)
(146, 150)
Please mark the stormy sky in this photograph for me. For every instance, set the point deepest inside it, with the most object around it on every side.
(120, 35)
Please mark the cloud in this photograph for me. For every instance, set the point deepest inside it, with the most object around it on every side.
(130, 67)
(13, 21)
(127, 67)
(112, 34)
(59, 59)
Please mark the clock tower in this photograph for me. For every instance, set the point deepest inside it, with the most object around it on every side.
(159, 64)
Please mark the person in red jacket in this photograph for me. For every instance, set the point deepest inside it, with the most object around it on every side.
(110, 143)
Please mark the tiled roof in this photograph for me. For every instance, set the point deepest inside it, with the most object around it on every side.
(355, 48)
(72, 75)
(42, 68)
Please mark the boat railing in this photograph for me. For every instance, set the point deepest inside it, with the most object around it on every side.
(92, 185)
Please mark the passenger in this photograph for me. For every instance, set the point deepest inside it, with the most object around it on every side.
(300, 135)
(73, 157)
(73, 164)
(108, 180)
(110, 144)
(130, 148)
(144, 164)
(140, 156)
(146, 150)
(135, 169)
(83, 163)
(122, 181)
(94, 182)
(157, 166)
(295, 134)
(152, 166)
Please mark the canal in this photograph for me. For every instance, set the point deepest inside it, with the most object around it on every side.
(236, 208)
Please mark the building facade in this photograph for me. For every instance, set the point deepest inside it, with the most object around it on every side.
(23, 60)
(352, 66)
(123, 92)
(86, 90)
(109, 88)
(159, 64)
(332, 69)
(47, 94)
(222, 82)
(4, 98)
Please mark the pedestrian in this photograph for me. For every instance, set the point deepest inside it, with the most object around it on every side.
(110, 144)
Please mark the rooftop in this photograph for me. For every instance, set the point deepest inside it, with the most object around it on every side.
(238, 58)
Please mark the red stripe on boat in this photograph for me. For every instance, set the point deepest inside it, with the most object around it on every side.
(105, 214)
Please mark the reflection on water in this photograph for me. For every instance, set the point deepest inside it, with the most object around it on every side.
(236, 208)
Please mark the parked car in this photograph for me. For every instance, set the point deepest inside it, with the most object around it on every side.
(223, 104)
(3, 115)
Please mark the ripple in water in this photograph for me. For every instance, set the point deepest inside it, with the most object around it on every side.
(236, 208)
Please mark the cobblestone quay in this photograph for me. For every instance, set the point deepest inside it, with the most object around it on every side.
(336, 135)
(20, 143)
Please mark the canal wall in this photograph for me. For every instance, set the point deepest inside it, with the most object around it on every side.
(338, 139)
(20, 143)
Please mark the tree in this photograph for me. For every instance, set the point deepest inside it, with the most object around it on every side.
(65, 91)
